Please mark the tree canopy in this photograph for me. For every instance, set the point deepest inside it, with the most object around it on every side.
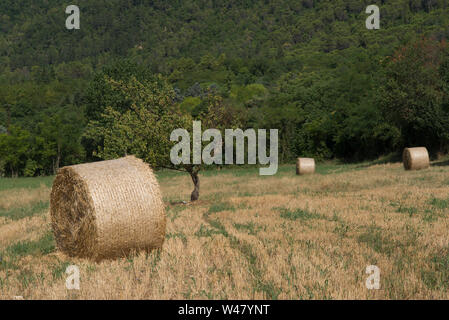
(309, 68)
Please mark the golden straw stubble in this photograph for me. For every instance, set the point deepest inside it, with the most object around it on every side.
(305, 166)
(415, 158)
(107, 209)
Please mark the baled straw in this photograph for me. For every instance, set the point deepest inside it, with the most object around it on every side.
(107, 209)
(415, 158)
(305, 166)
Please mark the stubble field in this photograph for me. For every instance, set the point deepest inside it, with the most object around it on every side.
(252, 237)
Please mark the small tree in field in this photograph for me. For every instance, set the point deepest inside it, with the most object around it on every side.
(132, 111)
(144, 129)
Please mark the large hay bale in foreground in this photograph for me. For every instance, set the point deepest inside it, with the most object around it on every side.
(415, 158)
(305, 166)
(107, 209)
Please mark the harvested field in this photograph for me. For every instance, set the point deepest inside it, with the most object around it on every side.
(252, 237)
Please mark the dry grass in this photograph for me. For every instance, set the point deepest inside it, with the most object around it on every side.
(251, 237)
(22, 197)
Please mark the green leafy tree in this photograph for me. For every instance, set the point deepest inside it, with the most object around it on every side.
(14, 149)
(144, 129)
(58, 140)
(414, 96)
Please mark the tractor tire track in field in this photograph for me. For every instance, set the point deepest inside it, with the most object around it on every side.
(259, 284)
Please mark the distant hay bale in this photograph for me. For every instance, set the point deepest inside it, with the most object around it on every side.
(415, 158)
(305, 166)
(107, 209)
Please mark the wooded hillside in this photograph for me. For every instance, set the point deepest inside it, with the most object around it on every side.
(307, 67)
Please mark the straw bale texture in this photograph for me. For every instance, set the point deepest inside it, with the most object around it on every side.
(305, 166)
(416, 158)
(107, 209)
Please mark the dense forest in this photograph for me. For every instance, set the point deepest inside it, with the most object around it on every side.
(309, 68)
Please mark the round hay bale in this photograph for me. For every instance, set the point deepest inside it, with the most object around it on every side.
(305, 166)
(107, 209)
(415, 158)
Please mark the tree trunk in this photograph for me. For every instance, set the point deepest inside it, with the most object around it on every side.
(14, 174)
(58, 159)
(196, 182)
